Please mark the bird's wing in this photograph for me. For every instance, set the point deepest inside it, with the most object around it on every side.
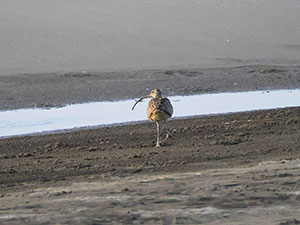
(166, 106)
(163, 104)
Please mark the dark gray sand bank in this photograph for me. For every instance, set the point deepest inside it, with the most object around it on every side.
(58, 89)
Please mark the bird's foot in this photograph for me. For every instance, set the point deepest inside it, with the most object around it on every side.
(167, 136)
(168, 133)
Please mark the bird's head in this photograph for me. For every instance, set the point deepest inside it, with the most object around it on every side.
(155, 93)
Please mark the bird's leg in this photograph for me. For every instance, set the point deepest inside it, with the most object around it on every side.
(171, 135)
(157, 138)
(168, 134)
(164, 130)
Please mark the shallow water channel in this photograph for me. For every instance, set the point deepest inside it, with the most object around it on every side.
(25, 121)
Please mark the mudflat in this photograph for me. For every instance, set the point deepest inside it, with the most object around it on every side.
(58, 89)
(240, 168)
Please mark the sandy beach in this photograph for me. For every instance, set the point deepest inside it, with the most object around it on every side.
(218, 169)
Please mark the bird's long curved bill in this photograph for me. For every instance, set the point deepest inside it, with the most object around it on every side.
(139, 101)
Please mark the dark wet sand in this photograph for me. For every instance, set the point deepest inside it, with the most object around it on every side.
(240, 168)
(47, 90)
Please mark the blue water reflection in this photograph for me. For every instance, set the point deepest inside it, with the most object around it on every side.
(25, 121)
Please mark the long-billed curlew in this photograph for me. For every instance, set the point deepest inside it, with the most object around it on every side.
(159, 109)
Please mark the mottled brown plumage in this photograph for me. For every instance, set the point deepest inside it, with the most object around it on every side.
(159, 109)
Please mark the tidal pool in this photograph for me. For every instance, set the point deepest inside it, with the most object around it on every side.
(26, 121)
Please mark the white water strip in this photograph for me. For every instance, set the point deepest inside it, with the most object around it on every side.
(25, 121)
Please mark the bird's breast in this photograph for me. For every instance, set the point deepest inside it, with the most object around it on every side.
(158, 115)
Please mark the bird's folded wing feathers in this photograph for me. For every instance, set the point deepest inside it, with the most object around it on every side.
(162, 104)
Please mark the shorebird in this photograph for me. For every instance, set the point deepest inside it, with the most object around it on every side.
(159, 109)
